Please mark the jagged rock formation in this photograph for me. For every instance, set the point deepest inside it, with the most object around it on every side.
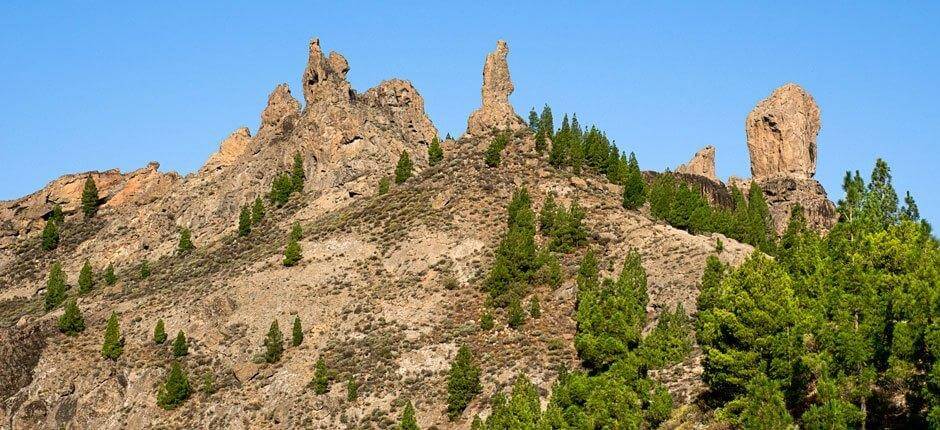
(496, 112)
(781, 134)
(233, 147)
(702, 164)
(784, 192)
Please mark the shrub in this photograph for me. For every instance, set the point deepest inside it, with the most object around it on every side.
(208, 383)
(71, 322)
(89, 198)
(86, 278)
(493, 151)
(535, 310)
(273, 344)
(113, 345)
(352, 389)
(486, 321)
(257, 211)
(403, 170)
(109, 277)
(55, 287)
(144, 269)
(186, 242)
(297, 333)
(50, 235)
(321, 378)
(159, 333)
(244, 221)
(292, 253)
(296, 231)
(297, 175)
(175, 390)
(463, 382)
(384, 184)
(57, 215)
(435, 152)
(180, 345)
(515, 317)
(408, 421)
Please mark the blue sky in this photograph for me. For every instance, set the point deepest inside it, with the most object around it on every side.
(114, 85)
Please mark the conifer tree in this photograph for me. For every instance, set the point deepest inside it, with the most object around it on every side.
(144, 269)
(292, 253)
(540, 142)
(175, 390)
(50, 235)
(86, 278)
(533, 121)
(634, 187)
(281, 189)
(463, 382)
(244, 221)
(547, 123)
(109, 277)
(547, 214)
(90, 198)
(495, 149)
(910, 211)
(297, 175)
(159, 333)
(435, 152)
(57, 215)
(352, 389)
(71, 322)
(321, 378)
(515, 317)
(180, 345)
(273, 344)
(384, 185)
(408, 421)
(297, 333)
(55, 287)
(257, 211)
(404, 169)
(759, 224)
(186, 242)
(296, 231)
(113, 345)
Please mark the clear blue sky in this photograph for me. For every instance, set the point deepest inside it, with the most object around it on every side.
(98, 86)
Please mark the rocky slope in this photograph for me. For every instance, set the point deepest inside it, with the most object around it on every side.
(388, 288)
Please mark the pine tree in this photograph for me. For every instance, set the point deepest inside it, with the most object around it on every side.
(281, 189)
(533, 120)
(493, 151)
(384, 185)
(910, 211)
(403, 170)
(55, 287)
(113, 345)
(144, 269)
(297, 333)
(540, 142)
(292, 253)
(296, 231)
(515, 317)
(159, 333)
(634, 187)
(109, 277)
(50, 235)
(297, 175)
(352, 389)
(175, 390)
(257, 212)
(71, 322)
(435, 152)
(180, 345)
(186, 242)
(463, 382)
(90, 198)
(547, 123)
(86, 279)
(408, 421)
(57, 215)
(244, 221)
(273, 344)
(321, 378)
(759, 228)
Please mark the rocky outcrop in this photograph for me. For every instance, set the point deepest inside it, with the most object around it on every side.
(784, 192)
(234, 146)
(496, 112)
(281, 112)
(702, 164)
(781, 134)
(324, 80)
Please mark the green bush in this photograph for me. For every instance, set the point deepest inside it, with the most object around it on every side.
(408, 421)
(495, 148)
(486, 321)
(186, 242)
(535, 310)
(321, 378)
(463, 383)
(175, 390)
(71, 322)
(384, 185)
(244, 221)
(297, 175)
(281, 189)
(352, 389)
(515, 317)
(144, 269)
(109, 277)
(292, 253)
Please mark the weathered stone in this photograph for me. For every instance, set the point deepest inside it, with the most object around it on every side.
(230, 149)
(280, 113)
(496, 112)
(702, 164)
(781, 134)
(784, 192)
(245, 371)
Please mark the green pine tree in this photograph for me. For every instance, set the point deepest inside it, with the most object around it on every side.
(297, 333)
(547, 123)
(50, 235)
(384, 185)
(321, 378)
(109, 277)
(86, 279)
(257, 212)
(435, 152)
(58, 216)
(244, 221)
(494, 150)
(296, 231)
(408, 421)
(515, 317)
(281, 189)
(297, 175)
(175, 390)
(273, 344)
(634, 187)
(159, 333)
(463, 382)
(186, 242)
(180, 345)
(533, 120)
(71, 322)
(90, 198)
(540, 142)
(404, 169)
(55, 287)
(292, 253)
(113, 345)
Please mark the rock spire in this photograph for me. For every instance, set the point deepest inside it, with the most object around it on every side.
(496, 112)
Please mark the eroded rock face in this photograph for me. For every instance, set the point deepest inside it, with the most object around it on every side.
(324, 80)
(230, 149)
(496, 111)
(702, 164)
(784, 192)
(781, 134)
(280, 113)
